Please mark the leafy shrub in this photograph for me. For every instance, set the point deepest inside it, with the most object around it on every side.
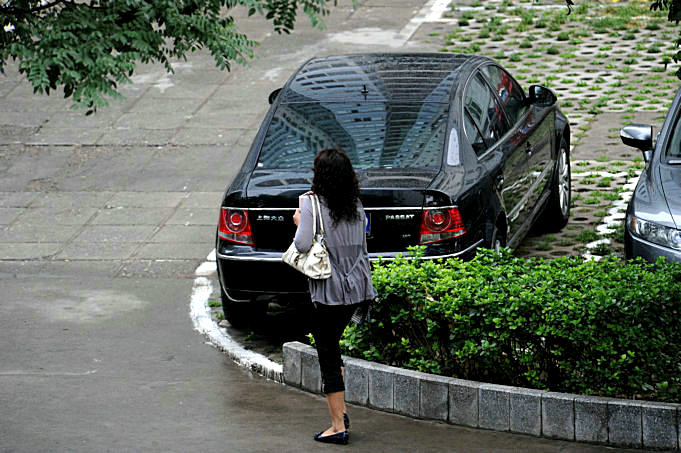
(603, 328)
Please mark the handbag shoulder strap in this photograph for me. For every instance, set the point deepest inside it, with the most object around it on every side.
(314, 215)
(315, 200)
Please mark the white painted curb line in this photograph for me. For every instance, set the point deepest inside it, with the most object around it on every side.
(218, 337)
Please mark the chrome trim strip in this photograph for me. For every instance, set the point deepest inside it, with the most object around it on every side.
(391, 208)
(436, 257)
(247, 258)
(258, 209)
(389, 258)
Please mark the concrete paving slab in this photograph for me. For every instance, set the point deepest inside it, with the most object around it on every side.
(58, 216)
(203, 234)
(65, 136)
(28, 120)
(37, 232)
(15, 135)
(202, 200)
(201, 168)
(155, 105)
(175, 251)
(27, 167)
(8, 215)
(142, 268)
(225, 119)
(101, 119)
(127, 136)
(25, 250)
(103, 168)
(190, 135)
(147, 199)
(29, 102)
(67, 200)
(6, 86)
(183, 91)
(158, 121)
(16, 199)
(98, 234)
(195, 216)
(97, 251)
(132, 216)
(50, 269)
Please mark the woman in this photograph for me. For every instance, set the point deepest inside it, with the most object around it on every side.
(336, 298)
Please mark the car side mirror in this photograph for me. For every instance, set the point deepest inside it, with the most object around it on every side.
(273, 96)
(541, 96)
(639, 136)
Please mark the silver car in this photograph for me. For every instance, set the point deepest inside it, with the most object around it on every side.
(653, 221)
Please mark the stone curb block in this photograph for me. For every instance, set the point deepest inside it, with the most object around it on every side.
(434, 401)
(494, 407)
(381, 378)
(407, 392)
(525, 413)
(591, 419)
(310, 376)
(610, 421)
(558, 415)
(624, 423)
(464, 402)
(356, 382)
(660, 425)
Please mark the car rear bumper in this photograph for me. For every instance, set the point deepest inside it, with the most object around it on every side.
(246, 273)
(649, 251)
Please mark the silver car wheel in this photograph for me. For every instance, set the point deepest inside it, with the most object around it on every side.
(564, 182)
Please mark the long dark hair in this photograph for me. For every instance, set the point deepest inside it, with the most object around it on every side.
(335, 180)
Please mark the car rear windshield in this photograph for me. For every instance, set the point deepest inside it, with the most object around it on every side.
(375, 135)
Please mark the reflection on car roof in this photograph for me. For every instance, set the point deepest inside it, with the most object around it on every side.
(421, 78)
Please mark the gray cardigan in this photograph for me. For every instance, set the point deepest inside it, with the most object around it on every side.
(350, 280)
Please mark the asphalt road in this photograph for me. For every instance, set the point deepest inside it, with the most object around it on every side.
(103, 221)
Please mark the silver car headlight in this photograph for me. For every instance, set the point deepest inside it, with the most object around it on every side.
(656, 233)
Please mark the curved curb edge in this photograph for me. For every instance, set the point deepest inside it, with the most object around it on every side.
(218, 337)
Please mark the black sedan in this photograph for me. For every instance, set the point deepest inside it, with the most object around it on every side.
(653, 220)
(449, 151)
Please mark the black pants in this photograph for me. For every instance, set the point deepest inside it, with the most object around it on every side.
(328, 324)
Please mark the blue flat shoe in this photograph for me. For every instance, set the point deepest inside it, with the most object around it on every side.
(346, 421)
(338, 438)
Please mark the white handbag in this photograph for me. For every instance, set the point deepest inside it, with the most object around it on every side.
(315, 262)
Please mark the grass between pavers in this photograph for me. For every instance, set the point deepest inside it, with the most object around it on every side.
(604, 57)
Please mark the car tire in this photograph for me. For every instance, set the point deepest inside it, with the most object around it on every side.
(243, 313)
(557, 211)
(498, 239)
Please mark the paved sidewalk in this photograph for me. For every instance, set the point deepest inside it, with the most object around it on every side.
(138, 184)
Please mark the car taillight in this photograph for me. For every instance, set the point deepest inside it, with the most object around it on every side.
(235, 227)
(441, 224)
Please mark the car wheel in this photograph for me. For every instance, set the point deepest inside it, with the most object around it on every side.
(557, 211)
(243, 313)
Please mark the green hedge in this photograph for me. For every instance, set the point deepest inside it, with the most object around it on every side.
(600, 328)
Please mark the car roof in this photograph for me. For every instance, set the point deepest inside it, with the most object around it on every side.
(380, 77)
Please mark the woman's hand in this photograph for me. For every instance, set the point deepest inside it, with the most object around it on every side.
(296, 217)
